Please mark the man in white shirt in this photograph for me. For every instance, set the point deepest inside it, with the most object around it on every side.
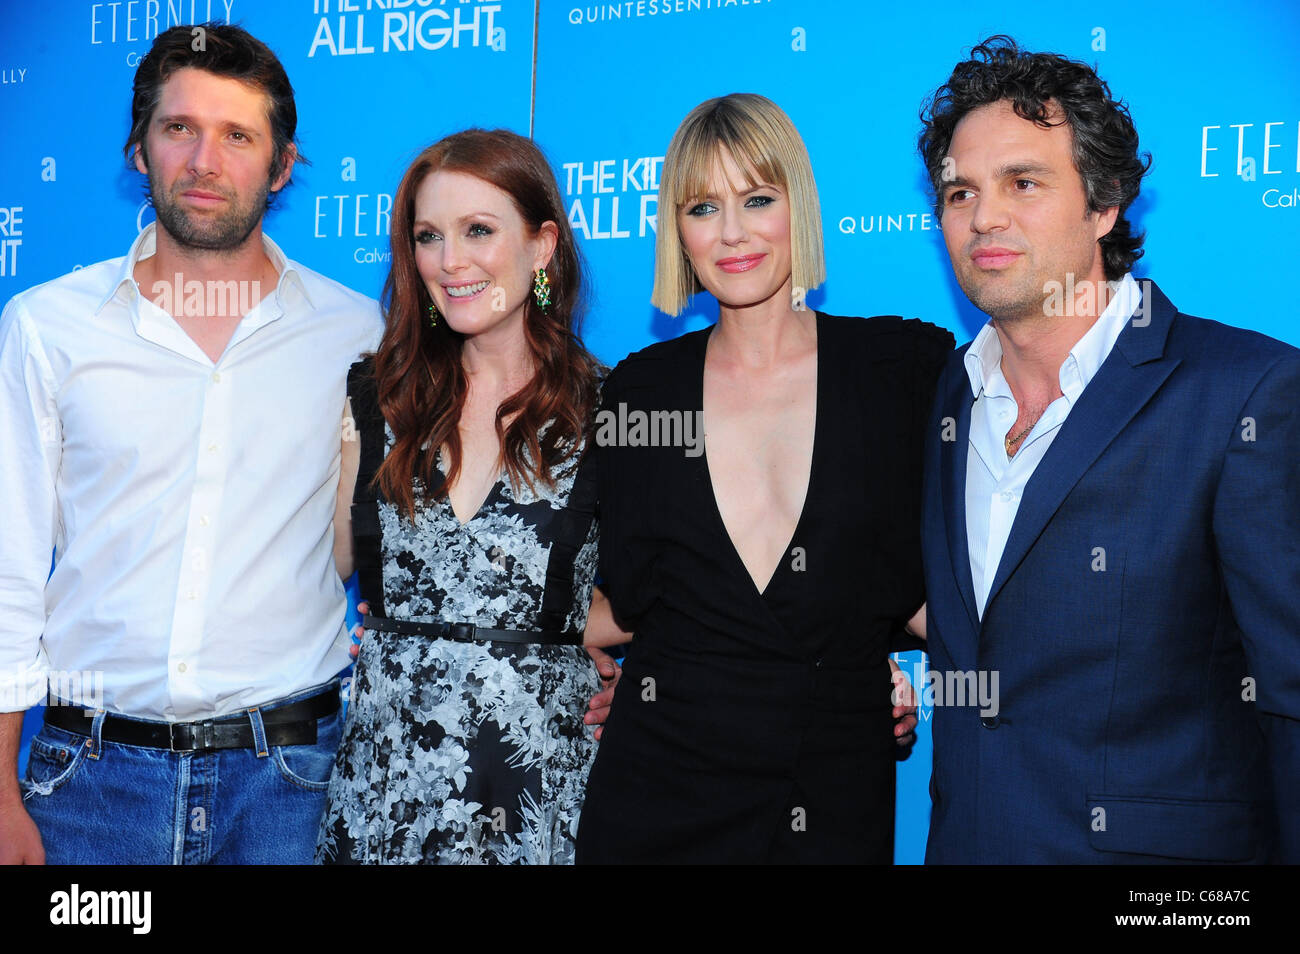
(1110, 513)
(171, 430)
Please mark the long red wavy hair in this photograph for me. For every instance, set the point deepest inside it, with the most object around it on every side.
(420, 380)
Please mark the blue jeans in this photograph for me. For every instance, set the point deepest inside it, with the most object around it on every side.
(98, 802)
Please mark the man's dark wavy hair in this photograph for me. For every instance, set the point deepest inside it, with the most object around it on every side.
(1105, 140)
(224, 50)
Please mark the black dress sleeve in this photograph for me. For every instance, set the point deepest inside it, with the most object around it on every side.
(366, 538)
(930, 348)
(615, 505)
(630, 480)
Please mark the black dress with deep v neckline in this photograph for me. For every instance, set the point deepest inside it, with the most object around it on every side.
(755, 726)
(809, 490)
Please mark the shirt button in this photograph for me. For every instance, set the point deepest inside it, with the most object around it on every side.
(1007, 496)
(213, 448)
(192, 595)
(204, 520)
(216, 377)
(181, 667)
(1005, 415)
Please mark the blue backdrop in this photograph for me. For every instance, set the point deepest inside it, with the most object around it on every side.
(1215, 95)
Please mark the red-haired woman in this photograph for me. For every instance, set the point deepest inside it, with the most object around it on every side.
(472, 526)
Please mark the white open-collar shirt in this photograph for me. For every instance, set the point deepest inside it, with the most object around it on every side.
(189, 503)
(995, 483)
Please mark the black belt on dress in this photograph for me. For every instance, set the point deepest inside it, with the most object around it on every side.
(470, 632)
(294, 724)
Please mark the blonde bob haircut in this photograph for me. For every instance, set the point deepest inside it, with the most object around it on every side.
(764, 143)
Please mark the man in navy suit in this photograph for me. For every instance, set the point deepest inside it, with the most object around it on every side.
(1112, 510)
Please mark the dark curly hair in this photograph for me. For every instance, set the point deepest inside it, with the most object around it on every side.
(1105, 140)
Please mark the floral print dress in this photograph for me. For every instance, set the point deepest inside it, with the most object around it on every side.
(469, 752)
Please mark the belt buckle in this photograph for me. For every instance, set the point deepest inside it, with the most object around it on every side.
(463, 632)
(202, 736)
(171, 736)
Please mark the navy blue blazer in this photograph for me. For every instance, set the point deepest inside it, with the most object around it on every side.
(1144, 621)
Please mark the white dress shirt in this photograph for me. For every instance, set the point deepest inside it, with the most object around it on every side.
(994, 482)
(189, 503)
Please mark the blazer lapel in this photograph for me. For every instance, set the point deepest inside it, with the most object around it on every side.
(957, 404)
(1131, 374)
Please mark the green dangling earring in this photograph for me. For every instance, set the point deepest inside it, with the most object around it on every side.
(433, 315)
(542, 289)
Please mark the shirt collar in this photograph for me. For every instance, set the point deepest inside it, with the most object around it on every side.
(146, 244)
(983, 359)
(1091, 351)
(290, 273)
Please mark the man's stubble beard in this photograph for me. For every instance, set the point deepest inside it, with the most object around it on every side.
(224, 233)
(1008, 299)
(1005, 301)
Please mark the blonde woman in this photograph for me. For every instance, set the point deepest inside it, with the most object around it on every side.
(765, 577)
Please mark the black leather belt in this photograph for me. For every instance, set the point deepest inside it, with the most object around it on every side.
(294, 724)
(470, 633)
